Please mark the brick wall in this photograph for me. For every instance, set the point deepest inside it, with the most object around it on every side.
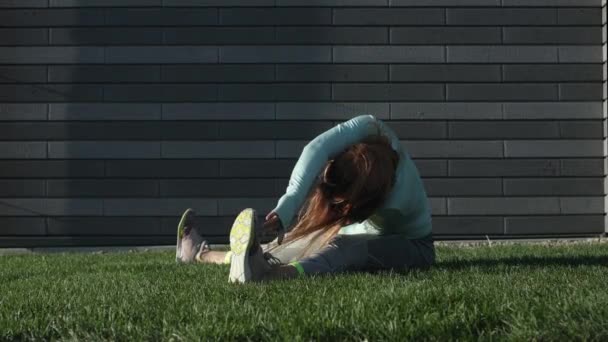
(117, 115)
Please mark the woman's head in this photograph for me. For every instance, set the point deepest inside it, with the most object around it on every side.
(349, 189)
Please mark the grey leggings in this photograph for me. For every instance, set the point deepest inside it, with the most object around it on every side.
(359, 252)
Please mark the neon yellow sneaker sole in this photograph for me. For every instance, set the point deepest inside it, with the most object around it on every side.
(241, 238)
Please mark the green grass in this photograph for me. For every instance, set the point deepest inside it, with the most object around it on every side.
(514, 292)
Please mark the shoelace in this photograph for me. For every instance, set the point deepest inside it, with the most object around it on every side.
(271, 259)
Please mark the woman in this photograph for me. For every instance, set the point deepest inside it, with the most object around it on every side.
(360, 202)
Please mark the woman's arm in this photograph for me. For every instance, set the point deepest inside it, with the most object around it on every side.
(316, 154)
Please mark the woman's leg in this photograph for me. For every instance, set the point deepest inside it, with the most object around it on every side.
(213, 257)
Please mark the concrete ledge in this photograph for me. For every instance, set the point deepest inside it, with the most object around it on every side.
(600, 239)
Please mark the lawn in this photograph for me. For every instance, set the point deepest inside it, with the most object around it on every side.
(513, 291)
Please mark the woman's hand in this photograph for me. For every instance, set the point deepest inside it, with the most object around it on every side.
(273, 225)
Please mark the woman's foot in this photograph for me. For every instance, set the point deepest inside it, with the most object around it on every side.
(189, 242)
(247, 262)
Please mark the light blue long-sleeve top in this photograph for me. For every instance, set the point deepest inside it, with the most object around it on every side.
(406, 210)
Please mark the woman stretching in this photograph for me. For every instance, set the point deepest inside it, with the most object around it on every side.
(360, 205)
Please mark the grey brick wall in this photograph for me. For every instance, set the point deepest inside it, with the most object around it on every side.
(117, 115)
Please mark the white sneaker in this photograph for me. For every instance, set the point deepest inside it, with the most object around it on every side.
(189, 242)
(247, 262)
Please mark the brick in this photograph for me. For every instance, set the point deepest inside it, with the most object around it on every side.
(50, 207)
(445, 73)
(104, 3)
(503, 206)
(274, 54)
(504, 168)
(442, 3)
(582, 167)
(116, 226)
(437, 187)
(161, 168)
(219, 35)
(501, 16)
(160, 92)
(553, 110)
(104, 111)
(551, 73)
(21, 188)
(21, 226)
(561, 224)
(23, 3)
(24, 36)
(455, 110)
(419, 130)
(445, 35)
(553, 35)
(389, 16)
(50, 168)
(187, 130)
(332, 3)
(51, 55)
(49, 93)
(553, 148)
(573, 3)
(52, 17)
(580, 54)
(553, 187)
(256, 168)
(22, 150)
(218, 149)
(579, 16)
(432, 168)
(502, 54)
(216, 3)
(22, 111)
(106, 36)
(23, 73)
(582, 205)
(161, 16)
(275, 91)
(272, 130)
(580, 91)
(217, 188)
(388, 92)
(389, 54)
(454, 149)
(103, 73)
(275, 16)
(233, 206)
(92, 131)
(102, 188)
(103, 150)
(330, 111)
(501, 92)
(158, 206)
(218, 111)
(504, 130)
(446, 225)
(217, 73)
(332, 35)
(290, 149)
(438, 205)
(161, 54)
(331, 73)
(581, 129)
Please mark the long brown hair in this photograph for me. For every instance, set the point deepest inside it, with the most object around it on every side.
(349, 189)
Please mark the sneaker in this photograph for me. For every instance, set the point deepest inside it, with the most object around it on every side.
(189, 242)
(247, 262)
